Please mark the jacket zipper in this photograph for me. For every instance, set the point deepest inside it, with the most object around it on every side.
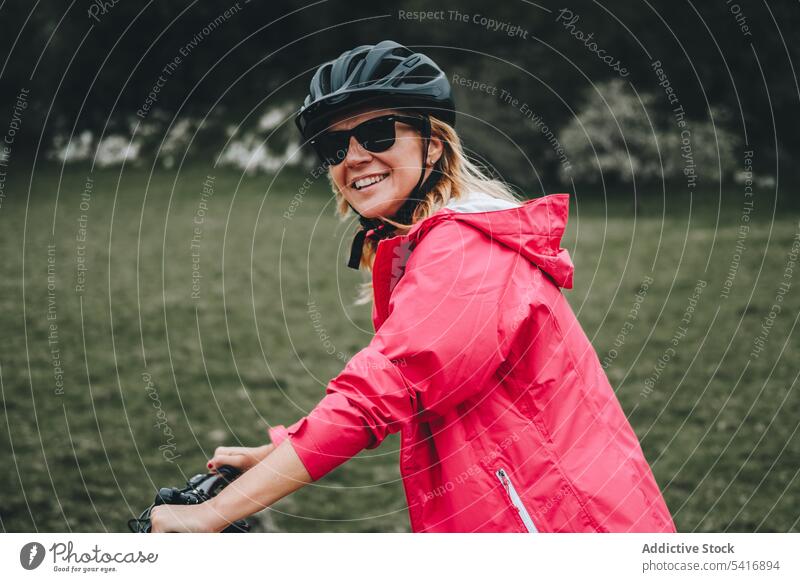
(516, 501)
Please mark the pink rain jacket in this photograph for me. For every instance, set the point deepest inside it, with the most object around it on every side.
(508, 421)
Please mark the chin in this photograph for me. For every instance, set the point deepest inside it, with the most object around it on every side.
(375, 209)
(374, 213)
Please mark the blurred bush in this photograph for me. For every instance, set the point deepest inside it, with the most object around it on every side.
(623, 135)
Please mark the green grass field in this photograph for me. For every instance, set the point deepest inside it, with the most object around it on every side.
(153, 378)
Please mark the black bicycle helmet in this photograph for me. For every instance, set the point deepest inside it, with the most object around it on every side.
(383, 75)
(386, 73)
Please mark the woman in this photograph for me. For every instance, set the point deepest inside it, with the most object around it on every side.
(508, 421)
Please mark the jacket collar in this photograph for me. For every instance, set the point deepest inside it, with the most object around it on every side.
(534, 228)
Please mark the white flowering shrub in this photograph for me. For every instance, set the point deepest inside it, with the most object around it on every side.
(618, 134)
(77, 149)
(113, 150)
(178, 140)
(268, 146)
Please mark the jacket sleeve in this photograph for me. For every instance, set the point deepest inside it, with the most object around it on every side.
(438, 346)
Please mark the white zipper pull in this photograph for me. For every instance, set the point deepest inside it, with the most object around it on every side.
(516, 501)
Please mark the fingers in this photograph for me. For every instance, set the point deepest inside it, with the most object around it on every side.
(233, 456)
(232, 450)
(218, 461)
(242, 458)
(240, 461)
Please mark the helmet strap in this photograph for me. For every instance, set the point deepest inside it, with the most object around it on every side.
(377, 229)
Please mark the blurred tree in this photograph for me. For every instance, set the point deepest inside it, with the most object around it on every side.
(94, 73)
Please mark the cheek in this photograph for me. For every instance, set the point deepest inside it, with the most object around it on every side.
(337, 175)
(404, 179)
(406, 165)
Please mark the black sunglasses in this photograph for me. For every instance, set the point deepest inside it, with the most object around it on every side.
(375, 135)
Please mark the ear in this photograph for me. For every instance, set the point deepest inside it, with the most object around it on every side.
(435, 150)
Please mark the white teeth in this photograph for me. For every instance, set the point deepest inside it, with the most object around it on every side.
(368, 181)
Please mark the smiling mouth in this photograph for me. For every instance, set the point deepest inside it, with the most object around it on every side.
(364, 183)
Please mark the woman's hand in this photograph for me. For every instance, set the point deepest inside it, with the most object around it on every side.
(185, 518)
(277, 474)
(243, 458)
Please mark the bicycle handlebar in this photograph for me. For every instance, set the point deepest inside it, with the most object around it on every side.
(199, 489)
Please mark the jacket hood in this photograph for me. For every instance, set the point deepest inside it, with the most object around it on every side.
(533, 228)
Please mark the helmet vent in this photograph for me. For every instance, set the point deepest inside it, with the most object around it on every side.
(402, 52)
(352, 66)
(384, 69)
(421, 74)
(325, 80)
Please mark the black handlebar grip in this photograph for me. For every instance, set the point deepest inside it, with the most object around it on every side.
(229, 473)
(169, 496)
(200, 488)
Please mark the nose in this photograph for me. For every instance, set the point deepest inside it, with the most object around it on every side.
(356, 154)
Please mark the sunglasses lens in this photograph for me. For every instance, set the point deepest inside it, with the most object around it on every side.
(332, 147)
(376, 135)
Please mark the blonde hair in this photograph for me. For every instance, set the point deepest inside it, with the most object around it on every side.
(459, 177)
